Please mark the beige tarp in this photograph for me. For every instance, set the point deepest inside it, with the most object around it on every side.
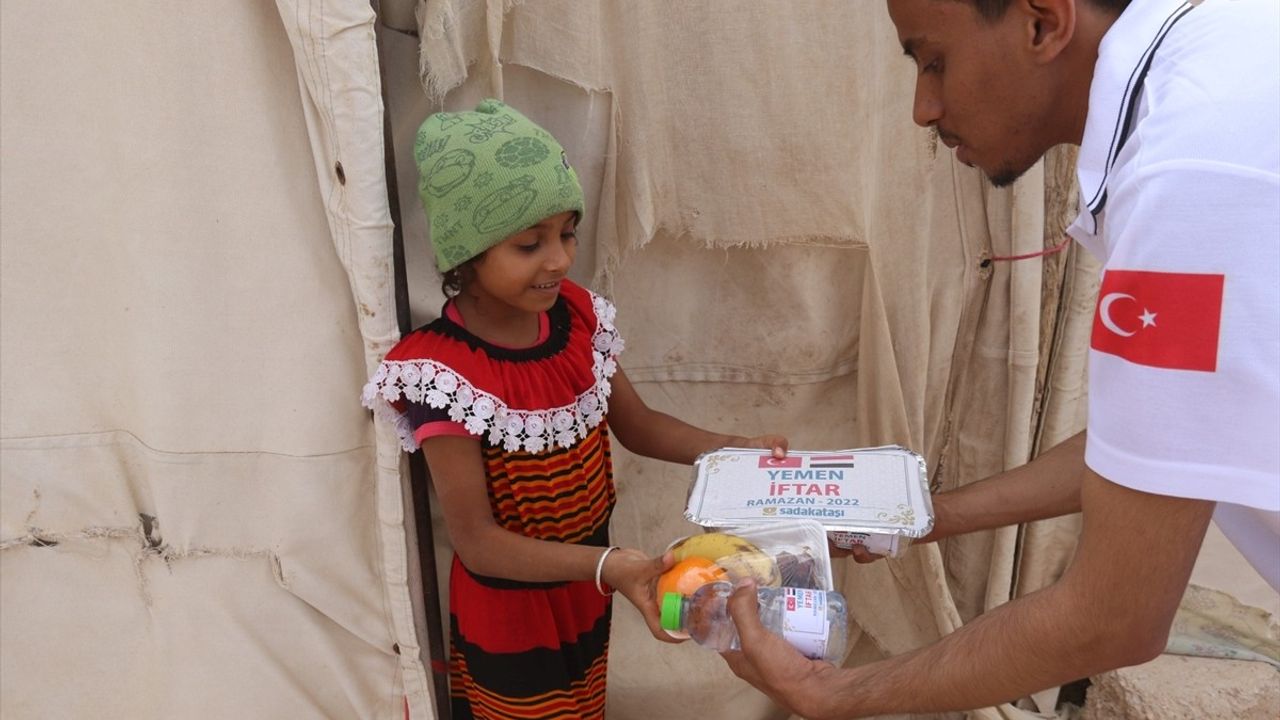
(193, 519)
(196, 517)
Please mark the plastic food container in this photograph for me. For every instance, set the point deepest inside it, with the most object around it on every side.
(877, 497)
(791, 552)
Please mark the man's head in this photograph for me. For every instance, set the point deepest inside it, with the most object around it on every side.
(1002, 81)
(994, 9)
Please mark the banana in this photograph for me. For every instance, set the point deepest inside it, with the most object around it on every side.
(758, 566)
(712, 546)
(739, 557)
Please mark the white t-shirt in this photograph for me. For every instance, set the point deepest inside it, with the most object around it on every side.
(1180, 199)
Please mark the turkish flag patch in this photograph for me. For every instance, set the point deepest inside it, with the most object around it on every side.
(1164, 320)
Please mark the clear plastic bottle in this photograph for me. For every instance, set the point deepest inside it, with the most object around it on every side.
(815, 622)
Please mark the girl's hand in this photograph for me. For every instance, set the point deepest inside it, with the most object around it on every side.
(635, 575)
(777, 443)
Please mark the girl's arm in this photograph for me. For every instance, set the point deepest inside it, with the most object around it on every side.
(457, 472)
(645, 431)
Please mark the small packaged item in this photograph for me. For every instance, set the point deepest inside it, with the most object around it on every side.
(789, 553)
(815, 622)
(791, 567)
(876, 497)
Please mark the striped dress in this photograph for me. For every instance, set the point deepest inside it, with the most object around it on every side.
(520, 649)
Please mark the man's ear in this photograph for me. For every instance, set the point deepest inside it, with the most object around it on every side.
(1050, 26)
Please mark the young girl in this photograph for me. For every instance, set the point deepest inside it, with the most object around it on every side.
(510, 394)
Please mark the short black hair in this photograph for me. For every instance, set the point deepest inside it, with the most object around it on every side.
(995, 9)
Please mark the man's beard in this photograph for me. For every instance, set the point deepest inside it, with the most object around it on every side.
(1005, 176)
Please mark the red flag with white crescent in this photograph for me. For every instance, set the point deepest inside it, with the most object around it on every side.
(1159, 319)
(791, 461)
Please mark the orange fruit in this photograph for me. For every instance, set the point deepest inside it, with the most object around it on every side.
(688, 575)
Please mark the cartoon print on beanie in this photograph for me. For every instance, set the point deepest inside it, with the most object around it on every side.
(486, 174)
(522, 152)
(451, 170)
(484, 130)
(505, 204)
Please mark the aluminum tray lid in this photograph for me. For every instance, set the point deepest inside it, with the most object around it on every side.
(872, 490)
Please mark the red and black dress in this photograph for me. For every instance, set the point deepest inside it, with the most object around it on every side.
(519, 649)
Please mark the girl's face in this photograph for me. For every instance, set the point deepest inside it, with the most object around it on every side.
(524, 271)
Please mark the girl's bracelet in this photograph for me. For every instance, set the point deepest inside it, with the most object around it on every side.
(600, 567)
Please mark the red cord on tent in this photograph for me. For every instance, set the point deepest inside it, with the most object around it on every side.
(1047, 251)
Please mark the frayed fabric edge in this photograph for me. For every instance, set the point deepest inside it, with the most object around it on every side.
(442, 64)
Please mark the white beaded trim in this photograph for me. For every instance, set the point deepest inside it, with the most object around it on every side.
(439, 386)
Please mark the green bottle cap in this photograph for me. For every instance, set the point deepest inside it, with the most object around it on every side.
(672, 604)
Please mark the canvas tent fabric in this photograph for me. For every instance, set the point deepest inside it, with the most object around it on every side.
(196, 517)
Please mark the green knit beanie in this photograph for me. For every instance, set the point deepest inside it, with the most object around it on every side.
(487, 174)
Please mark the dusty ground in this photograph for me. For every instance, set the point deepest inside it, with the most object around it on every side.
(1173, 687)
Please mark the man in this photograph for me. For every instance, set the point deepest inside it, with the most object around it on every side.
(1175, 107)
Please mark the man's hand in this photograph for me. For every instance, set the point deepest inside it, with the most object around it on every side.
(1048, 486)
(1112, 607)
(802, 686)
(859, 553)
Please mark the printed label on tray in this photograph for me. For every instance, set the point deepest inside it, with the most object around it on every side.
(822, 486)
